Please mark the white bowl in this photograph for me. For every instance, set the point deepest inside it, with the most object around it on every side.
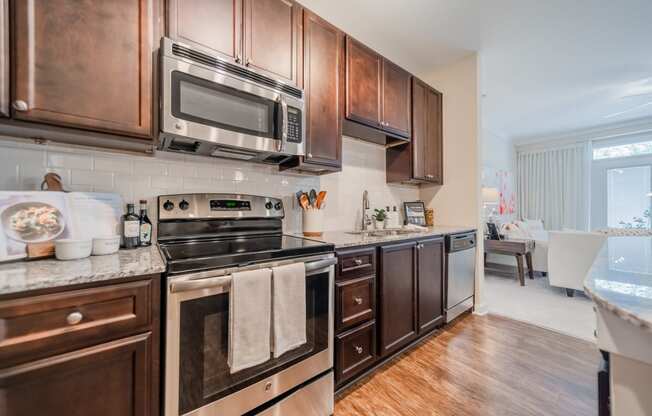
(69, 249)
(106, 245)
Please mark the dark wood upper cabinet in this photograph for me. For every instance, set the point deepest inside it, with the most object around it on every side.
(421, 160)
(323, 81)
(95, 73)
(214, 26)
(431, 283)
(377, 91)
(363, 84)
(396, 99)
(4, 58)
(397, 296)
(434, 156)
(105, 380)
(272, 38)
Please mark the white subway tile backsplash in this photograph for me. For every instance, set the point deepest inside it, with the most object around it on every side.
(137, 177)
(182, 170)
(114, 165)
(145, 167)
(70, 160)
(167, 182)
(102, 180)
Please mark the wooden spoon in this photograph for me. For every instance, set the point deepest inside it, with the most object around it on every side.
(320, 199)
(304, 201)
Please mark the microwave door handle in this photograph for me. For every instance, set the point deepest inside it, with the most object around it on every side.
(284, 128)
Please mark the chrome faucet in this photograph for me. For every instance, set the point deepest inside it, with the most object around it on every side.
(366, 221)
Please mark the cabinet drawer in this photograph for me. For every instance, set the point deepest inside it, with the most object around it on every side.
(355, 301)
(355, 351)
(39, 326)
(356, 263)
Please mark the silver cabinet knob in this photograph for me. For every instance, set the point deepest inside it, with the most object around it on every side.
(310, 155)
(247, 62)
(357, 300)
(358, 349)
(268, 386)
(430, 176)
(74, 318)
(357, 261)
(20, 105)
(238, 59)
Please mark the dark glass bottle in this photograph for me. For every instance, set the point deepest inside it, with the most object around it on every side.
(130, 228)
(145, 225)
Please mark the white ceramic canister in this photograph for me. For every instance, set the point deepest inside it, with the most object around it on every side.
(69, 249)
(313, 222)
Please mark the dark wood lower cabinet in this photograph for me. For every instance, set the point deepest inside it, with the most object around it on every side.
(431, 283)
(397, 296)
(382, 309)
(105, 380)
(355, 350)
(92, 351)
(4, 58)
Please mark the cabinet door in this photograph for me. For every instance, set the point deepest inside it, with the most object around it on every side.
(363, 83)
(434, 168)
(395, 99)
(272, 36)
(96, 73)
(214, 26)
(398, 296)
(105, 380)
(419, 128)
(322, 77)
(4, 58)
(431, 283)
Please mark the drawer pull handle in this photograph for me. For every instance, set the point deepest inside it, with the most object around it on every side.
(357, 261)
(357, 300)
(74, 318)
(358, 349)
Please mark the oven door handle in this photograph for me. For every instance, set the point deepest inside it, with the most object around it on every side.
(212, 282)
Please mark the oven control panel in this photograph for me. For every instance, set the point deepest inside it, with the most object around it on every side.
(294, 125)
(222, 206)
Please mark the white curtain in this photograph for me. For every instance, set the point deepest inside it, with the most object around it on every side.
(553, 185)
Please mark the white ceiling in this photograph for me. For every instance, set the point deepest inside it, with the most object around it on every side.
(546, 66)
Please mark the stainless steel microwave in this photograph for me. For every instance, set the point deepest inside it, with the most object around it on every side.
(213, 107)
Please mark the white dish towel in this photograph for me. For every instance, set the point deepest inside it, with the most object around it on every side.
(250, 307)
(289, 310)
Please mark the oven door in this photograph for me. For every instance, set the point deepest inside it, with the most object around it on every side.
(197, 376)
(221, 108)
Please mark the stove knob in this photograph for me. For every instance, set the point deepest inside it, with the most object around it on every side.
(184, 205)
(278, 206)
(168, 205)
(268, 205)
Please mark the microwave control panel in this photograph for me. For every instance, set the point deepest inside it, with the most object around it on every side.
(294, 125)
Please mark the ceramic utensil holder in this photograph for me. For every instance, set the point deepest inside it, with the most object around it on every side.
(313, 222)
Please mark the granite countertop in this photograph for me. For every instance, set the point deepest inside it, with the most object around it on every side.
(343, 239)
(621, 279)
(24, 276)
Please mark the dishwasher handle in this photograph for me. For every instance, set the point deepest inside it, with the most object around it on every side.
(459, 242)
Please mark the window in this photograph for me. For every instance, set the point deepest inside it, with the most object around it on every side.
(629, 197)
(622, 150)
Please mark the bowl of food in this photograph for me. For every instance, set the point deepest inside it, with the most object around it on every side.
(32, 222)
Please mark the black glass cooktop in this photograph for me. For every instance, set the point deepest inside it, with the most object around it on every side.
(190, 256)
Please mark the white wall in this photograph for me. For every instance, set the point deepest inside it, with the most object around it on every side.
(23, 165)
(457, 202)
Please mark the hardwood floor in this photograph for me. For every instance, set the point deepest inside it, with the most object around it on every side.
(482, 365)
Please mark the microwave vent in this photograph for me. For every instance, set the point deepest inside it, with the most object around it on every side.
(204, 59)
(233, 153)
(179, 145)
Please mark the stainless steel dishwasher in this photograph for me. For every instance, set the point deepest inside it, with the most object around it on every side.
(460, 273)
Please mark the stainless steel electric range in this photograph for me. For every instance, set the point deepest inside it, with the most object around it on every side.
(205, 238)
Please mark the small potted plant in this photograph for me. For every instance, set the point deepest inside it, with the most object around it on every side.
(379, 217)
